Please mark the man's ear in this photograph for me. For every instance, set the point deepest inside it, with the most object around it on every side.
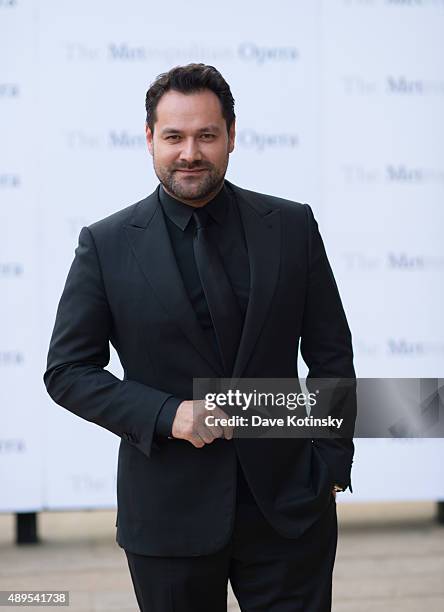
(231, 136)
(149, 138)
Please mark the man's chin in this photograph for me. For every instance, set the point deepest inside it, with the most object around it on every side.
(189, 194)
(193, 192)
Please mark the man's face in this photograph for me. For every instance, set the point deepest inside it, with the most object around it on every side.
(190, 145)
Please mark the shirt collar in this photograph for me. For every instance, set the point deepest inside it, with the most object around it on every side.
(180, 213)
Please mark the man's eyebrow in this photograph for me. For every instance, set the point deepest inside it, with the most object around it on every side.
(208, 128)
(170, 130)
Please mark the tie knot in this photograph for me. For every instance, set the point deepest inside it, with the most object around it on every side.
(201, 218)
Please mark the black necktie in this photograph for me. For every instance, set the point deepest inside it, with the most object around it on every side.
(222, 303)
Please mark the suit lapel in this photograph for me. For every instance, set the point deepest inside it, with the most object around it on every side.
(263, 235)
(150, 242)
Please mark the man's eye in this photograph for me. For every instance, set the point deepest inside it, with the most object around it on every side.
(207, 136)
(173, 137)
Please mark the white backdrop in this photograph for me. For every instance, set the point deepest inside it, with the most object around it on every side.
(338, 102)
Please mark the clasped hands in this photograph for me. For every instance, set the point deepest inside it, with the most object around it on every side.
(189, 424)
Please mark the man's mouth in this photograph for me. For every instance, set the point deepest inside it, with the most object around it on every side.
(196, 171)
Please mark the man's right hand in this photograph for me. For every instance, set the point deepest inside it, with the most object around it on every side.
(189, 424)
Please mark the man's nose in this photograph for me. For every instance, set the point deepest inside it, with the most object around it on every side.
(190, 151)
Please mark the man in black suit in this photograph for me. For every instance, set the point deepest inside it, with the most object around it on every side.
(204, 279)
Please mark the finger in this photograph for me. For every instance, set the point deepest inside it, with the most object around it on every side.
(196, 441)
(227, 429)
(228, 432)
(216, 430)
(205, 434)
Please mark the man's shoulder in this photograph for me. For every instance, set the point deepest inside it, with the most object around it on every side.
(265, 203)
(120, 218)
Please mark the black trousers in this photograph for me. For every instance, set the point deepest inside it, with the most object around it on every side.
(268, 573)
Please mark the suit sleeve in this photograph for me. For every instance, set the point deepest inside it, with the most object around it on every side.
(76, 377)
(165, 418)
(326, 348)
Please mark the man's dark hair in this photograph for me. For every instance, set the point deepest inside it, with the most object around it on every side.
(190, 79)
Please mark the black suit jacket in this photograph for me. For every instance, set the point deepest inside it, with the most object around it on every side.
(124, 287)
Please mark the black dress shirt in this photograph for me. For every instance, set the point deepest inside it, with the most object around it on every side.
(227, 232)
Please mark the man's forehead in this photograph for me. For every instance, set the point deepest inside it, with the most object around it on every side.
(203, 106)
